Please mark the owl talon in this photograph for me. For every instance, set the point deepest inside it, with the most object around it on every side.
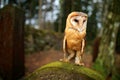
(80, 64)
(64, 60)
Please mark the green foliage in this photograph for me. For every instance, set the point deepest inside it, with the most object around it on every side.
(115, 7)
(116, 68)
(36, 40)
(116, 76)
(100, 68)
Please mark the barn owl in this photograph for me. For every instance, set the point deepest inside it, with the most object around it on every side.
(73, 42)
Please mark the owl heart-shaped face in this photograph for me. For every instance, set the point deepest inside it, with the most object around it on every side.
(77, 20)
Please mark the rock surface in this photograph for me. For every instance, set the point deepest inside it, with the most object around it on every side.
(64, 71)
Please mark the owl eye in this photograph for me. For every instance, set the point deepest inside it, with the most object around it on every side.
(75, 20)
(84, 21)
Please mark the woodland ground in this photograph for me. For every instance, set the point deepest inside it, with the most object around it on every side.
(36, 60)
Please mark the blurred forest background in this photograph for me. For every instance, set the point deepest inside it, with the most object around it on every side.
(46, 19)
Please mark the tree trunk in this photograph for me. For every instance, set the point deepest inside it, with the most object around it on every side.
(40, 14)
(105, 59)
(65, 10)
(76, 5)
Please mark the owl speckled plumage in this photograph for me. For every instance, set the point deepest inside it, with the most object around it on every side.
(75, 32)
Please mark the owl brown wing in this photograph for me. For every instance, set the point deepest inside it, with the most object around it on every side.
(83, 45)
(65, 45)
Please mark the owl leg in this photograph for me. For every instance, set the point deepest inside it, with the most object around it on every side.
(78, 58)
(65, 51)
(67, 57)
(72, 53)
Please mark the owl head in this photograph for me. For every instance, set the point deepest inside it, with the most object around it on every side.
(77, 20)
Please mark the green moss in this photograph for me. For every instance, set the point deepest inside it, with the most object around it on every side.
(63, 71)
(116, 76)
(99, 67)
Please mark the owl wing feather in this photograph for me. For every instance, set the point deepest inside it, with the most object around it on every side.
(83, 45)
(64, 45)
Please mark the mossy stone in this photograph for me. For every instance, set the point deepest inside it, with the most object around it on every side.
(64, 71)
